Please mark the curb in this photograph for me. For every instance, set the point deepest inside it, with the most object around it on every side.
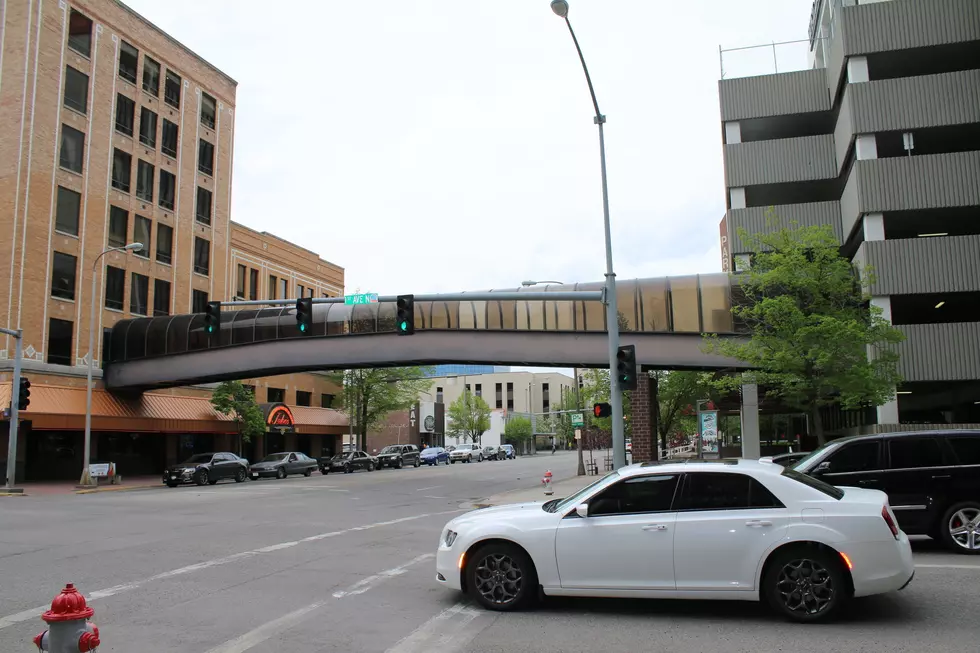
(117, 488)
(13, 494)
(487, 503)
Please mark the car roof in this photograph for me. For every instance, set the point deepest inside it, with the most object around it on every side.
(695, 465)
(907, 434)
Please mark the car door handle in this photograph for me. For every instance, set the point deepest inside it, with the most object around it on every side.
(758, 523)
(655, 527)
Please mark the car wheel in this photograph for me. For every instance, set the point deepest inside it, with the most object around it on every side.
(417, 462)
(324, 471)
(469, 459)
(308, 473)
(240, 476)
(805, 584)
(169, 484)
(960, 528)
(281, 473)
(501, 577)
(202, 477)
(399, 464)
(347, 469)
(370, 467)
(452, 461)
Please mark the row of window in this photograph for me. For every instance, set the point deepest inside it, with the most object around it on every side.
(903, 453)
(80, 40)
(277, 288)
(303, 398)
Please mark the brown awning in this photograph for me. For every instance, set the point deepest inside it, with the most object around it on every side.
(63, 408)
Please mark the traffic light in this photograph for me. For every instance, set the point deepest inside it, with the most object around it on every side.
(602, 410)
(626, 367)
(405, 314)
(304, 315)
(24, 394)
(212, 318)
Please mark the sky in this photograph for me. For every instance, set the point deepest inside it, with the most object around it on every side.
(446, 145)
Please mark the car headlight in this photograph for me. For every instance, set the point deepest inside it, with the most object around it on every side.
(450, 538)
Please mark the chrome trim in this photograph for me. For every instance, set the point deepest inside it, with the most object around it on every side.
(910, 507)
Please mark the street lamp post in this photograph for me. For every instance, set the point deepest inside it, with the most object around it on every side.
(560, 7)
(86, 477)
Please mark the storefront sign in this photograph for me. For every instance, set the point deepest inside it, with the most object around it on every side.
(709, 432)
(279, 418)
(427, 415)
(98, 470)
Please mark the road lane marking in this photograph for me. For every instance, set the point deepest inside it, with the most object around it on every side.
(974, 567)
(445, 632)
(365, 584)
(429, 496)
(34, 613)
(255, 637)
(431, 487)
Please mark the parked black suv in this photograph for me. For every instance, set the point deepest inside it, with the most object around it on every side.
(398, 456)
(932, 479)
(207, 468)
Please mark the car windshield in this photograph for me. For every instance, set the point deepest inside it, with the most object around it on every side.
(199, 458)
(576, 498)
(815, 483)
(430, 452)
(803, 463)
(341, 456)
(274, 458)
(464, 446)
(391, 450)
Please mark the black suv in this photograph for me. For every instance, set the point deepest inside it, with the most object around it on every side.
(932, 479)
(398, 456)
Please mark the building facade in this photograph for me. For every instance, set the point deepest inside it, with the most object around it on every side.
(113, 133)
(880, 140)
(458, 370)
(522, 393)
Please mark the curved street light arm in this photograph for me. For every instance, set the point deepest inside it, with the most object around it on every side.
(588, 78)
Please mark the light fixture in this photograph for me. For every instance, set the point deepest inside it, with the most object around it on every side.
(560, 7)
(940, 304)
(933, 235)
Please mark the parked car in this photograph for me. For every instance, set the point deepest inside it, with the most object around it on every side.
(207, 469)
(509, 451)
(434, 456)
(398, 456)
(786, 459)
(466, 453)
(728, 529)
(930, 478)
(281, 465)
(491, 452)
(349, 463)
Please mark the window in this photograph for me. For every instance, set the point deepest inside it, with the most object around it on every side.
(139, 291)
(205, 157)
(815, 483)
(79, 40)
(253, 284)
(118, 227)
(125, 114)
(161, 297)
(59, 341)
(171, 89)
(545, 398)
(151, 77)
(275, 395)
(856, 457)
(167, 185)
(326, 401)
(63, 276)
(203, 205)
(299, 289)
(208, 110)
(710, 491)
(202, 256)
(500, 395)
(168, 139)
(148, 127)
(122, 170)
(909, 453)
(284, 288)
(144, 181)
(510, 396)
(272, 287)
(304, 398)
(466, 388)
(240, 279)
(438, 395)
(69, 205)
(636, 495)
(76, 90)
(479, 390)
(115, 286)
(966, 448)
(72, 144)
(141, 234)
(165, 243)
(128, 60)
(199, 302)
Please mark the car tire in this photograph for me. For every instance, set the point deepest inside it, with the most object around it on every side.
(370, 467)
(417, 463)
(201, 478)
(820, 574)
(348, 469)
(453, 462)
(240, 476)
(501, 577)
(308, 473)
(172, 484)
(281, 473)
(469, 459)
(960, 513)
(213, 481)
(399, 464)
(324, 471)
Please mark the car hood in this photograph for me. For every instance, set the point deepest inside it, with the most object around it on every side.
(497, 512)
(268, 465)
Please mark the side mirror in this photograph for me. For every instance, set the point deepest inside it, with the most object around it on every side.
(582, 509)
(822, 468)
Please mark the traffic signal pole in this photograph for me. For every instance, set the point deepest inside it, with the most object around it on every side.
(18, 336)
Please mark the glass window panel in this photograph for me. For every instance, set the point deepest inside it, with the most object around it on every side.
(338, 319)
(716, 305)
(467, 318)
(494, 316)
(136, 338)
(626, 304)
(156, 337)
(243, 328)
(117, 342)
(423, 315)
(177, 334)
(523, 323)
(267, 324)
(536, 310)
(386, 317)
(594, 312)
(565, 315)
(363, 319)
(653, 305)
(452, 309)
(440, 316)
(509, 309)
(684, 303)
(197, 337)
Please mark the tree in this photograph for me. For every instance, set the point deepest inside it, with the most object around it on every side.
(369, 395)
(233, 398)
(518, 431)
(813, 338)
(676, 392)
(468, 417)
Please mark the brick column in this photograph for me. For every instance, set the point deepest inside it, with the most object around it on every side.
(643, 423)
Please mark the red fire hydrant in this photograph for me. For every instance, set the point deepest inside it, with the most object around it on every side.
(547, 483)
(69, 628)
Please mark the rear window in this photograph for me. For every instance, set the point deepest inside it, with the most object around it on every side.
(816, 484)
(967, 449)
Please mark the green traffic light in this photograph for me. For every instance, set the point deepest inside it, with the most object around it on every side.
(210, 329)
(403, 326)
(302, 327)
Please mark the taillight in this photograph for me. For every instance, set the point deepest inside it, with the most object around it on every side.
(887, 516)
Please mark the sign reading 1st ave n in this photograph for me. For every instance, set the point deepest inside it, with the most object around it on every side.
(362, 298)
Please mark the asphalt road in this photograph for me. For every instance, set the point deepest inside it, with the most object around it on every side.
(345, 563)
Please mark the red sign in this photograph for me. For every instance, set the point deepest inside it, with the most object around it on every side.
(280, 416)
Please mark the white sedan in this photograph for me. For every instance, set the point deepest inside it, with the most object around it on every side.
(731, 529)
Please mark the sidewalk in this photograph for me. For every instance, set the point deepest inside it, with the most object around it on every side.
(49, 488)
(561, 489)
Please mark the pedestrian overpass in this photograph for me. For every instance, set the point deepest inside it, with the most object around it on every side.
(663, 317)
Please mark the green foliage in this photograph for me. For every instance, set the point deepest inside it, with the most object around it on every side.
(678, 394)
(233, 398)
(517, 430)
(813, 339)
(595, 389)
(468, 417)
(369, 395)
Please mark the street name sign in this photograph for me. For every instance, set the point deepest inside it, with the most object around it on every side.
(362, 298)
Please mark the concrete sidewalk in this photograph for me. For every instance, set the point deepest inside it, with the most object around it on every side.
(48, 488)
(563, 488)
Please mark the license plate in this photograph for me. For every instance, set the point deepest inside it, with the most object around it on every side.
(255, 474)
(173, 478)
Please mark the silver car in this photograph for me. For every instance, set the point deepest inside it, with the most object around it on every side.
(466, 453)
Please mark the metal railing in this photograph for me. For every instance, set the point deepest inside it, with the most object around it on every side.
(765, 59)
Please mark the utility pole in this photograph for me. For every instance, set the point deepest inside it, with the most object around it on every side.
(18, 336)
(578, 441)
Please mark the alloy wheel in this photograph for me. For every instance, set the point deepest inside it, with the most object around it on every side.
(964, 528)
(805, 587)
(240, 476)
(499, 579)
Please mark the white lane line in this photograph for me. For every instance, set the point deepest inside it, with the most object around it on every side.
(255, 637)
(429, 496)
(974, 567)
(33, 613)
(365, 584)
(431, 487)
(443, 628)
